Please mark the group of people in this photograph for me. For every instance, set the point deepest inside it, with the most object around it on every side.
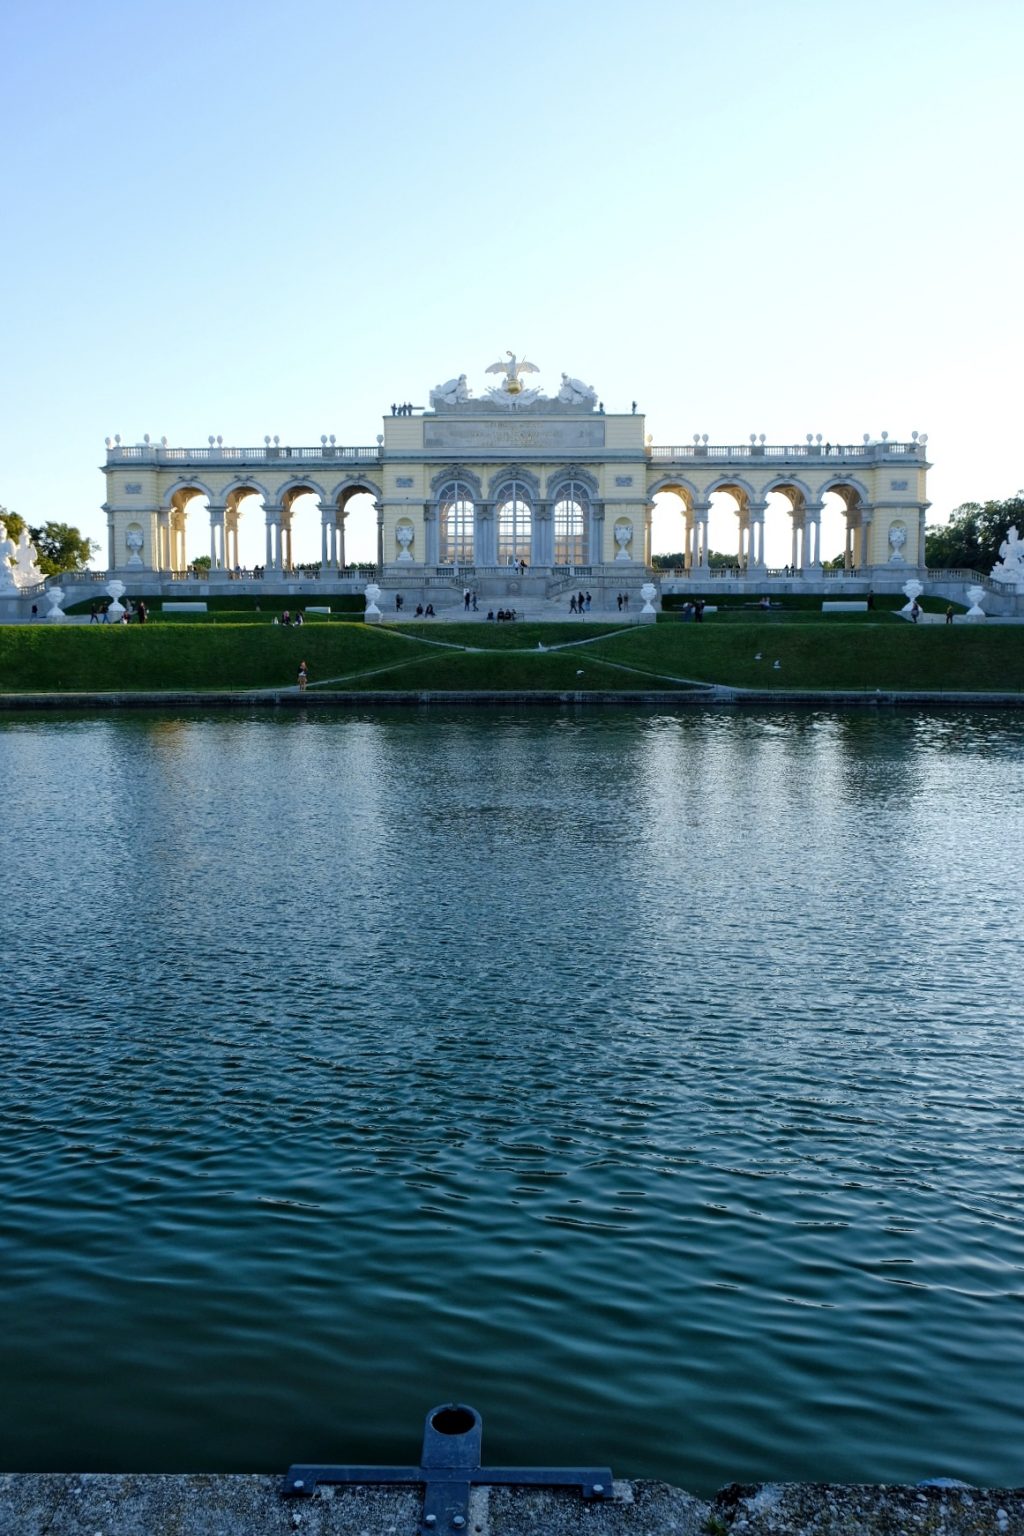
(503, 615)
(287, 620)
(100, 614)
(469, 600)
(695, 610)
(401, 410)
(425, 613)
(622, 600)
(580, 602)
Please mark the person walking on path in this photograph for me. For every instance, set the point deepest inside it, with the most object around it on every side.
(303, 677)
(949, 614)
(915, 612)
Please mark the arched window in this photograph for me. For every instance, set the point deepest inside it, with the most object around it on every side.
(515, 522)
(572, 505)
(455, 523)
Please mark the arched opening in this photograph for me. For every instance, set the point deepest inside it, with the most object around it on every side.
(571, 513)
(188, 529)
(785, 528)
(455, 524)
(514, 514)
(672, 528)
(843, 530)
(352, 532)
(300, 530)
(729, 527)
(244, 528)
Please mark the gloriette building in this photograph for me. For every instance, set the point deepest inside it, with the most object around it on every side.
(517, 478)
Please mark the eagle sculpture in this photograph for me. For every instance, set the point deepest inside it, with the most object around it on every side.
(512, 369)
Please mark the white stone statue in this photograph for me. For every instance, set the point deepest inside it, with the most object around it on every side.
(623, 538)
(115, 591)
(575, 392)
(912, 590)
(372, 595)
(1011, 563)
(897, 539)
(974, 596)
(54, 596)
(134, 543)
(453, 392)
(648, 592)
(8, 551)
(404, 534)
(27, 572)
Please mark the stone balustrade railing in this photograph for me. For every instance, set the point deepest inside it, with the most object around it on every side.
(864, 453)
(217, 453)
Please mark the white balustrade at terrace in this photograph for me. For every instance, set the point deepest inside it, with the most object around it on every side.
(824, 453)
(216, 453)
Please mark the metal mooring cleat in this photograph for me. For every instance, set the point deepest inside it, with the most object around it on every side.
(449, 1467)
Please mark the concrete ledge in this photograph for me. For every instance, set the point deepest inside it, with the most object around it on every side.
(183, 608)
(130, 1504)
(844, 607)
(695, 696)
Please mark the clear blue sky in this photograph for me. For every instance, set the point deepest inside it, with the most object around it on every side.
(251, 218)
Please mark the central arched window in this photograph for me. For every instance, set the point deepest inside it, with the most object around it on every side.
(455, 523)
(515, 522)
(572, 504)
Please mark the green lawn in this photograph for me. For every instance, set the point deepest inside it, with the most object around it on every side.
(832, 653)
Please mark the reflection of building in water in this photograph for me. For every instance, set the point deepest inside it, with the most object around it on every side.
(516, 477)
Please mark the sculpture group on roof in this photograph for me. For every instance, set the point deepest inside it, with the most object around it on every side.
(510, 393)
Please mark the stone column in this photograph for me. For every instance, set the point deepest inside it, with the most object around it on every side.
(755, 515)
(485, 542)
(866, 515)
(542, 547)
(217, 546)
(795, 561)
(595, 539)
(430, 550)
(163, 540)
(812, 536)
(921, 560)
(273, 560)
(701, 509)
(380, 536)
(325, 560)
(648, 515)
(340, 518)
(848, 551)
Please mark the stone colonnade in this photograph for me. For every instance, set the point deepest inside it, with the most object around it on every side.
(806, 535)
(224, 525)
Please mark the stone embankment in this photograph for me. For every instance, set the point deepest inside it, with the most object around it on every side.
(129, 1504)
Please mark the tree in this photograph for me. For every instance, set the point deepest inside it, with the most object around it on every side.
(14, 523)
(972, 537)
(61, 548)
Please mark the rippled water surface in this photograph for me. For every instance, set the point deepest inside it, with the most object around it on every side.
(653, 1084)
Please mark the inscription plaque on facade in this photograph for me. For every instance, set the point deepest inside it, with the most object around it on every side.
(404, 481)
(529, 436)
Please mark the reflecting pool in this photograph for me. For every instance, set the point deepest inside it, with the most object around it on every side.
(653, 1083)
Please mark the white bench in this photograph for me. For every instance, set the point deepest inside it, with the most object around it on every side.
(310, 609)
(860, 606)
(182, 607)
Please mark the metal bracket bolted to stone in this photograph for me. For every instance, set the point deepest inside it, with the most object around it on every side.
(449, 1468)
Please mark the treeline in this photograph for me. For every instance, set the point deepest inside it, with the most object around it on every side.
(973, 534)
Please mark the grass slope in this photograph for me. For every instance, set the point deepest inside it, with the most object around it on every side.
(827, 655)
